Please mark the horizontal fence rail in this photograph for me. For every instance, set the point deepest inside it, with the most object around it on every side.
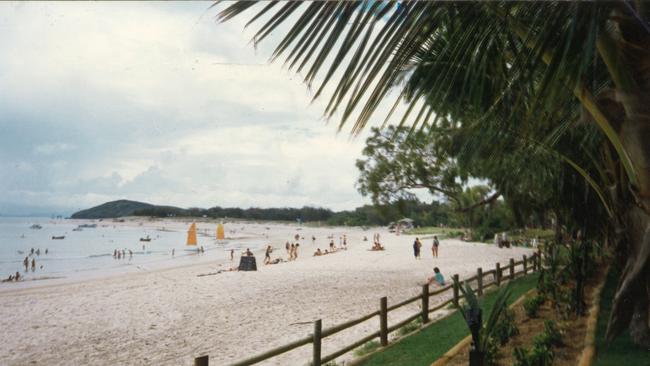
(497, 276)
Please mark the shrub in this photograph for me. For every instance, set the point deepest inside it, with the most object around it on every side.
(366, 348)
(552, 336)
(532, 304)
(539, 355)
(522, 357)
(505, 328)
(491, 352)
(410, 327)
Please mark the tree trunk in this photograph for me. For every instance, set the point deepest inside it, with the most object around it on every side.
(632, 301)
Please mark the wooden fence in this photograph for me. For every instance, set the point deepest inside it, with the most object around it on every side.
(498, 276)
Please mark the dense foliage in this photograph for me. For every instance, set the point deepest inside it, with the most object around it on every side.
(549, 100)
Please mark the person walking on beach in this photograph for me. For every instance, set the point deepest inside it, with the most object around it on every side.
(295, 251)
(232, 255)
(434, 247)
(292, 249)
(416, 248)
(267, 255)
(287, 247)
(26, 263)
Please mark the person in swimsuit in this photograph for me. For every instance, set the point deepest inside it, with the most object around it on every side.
(434, 247)
(416, 248)
(267, 255)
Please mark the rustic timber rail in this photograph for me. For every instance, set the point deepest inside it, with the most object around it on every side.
(527, 264)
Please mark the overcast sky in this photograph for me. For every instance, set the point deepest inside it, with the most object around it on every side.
(156, 102)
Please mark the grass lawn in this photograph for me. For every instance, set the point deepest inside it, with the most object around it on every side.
(425, 347)
(443, 232)
(621, 351)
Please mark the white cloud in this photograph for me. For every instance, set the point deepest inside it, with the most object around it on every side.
(154, 101)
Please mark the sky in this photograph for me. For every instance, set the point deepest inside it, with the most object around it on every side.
(157, 102)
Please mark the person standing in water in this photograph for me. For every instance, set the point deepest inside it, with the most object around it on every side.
(33, 264)
(26, 263)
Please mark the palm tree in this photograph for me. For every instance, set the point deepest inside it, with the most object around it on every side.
(536, 70)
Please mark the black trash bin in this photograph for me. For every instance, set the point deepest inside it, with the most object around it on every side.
(247, 263)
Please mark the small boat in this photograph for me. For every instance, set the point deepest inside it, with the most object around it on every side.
(191, 239)
(147, 238)
(36, 227)
(220, 232)
(77, 229)
(58, 237)
(88, 226)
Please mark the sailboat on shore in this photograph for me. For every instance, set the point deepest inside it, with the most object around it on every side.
(191, 239)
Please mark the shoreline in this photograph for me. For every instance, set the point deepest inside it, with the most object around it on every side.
(169, 316)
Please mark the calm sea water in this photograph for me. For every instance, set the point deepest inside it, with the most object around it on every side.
(89, 253)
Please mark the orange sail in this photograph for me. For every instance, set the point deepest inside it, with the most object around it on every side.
(191, 235)
(220, 234)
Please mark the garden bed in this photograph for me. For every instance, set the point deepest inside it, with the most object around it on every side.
(572, 329)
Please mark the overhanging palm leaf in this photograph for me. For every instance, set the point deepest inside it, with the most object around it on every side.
(494, 65)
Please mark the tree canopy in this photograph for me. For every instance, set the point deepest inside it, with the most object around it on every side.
(541, 82)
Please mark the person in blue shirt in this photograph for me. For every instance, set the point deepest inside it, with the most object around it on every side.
(437, 277)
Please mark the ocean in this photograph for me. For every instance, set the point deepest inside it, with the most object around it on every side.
(89, 253)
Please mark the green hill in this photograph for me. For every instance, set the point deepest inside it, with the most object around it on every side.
(112, 209)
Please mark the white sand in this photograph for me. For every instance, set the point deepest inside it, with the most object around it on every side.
(170, 316)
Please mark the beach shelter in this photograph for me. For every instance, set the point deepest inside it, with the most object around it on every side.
(220, 234)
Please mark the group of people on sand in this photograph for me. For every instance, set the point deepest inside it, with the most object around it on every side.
(376, 244)
(417, 247)
(292, 250)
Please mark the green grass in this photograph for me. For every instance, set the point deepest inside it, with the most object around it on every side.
(425, 347)
(442, 232)
(366, 348)
(621, 351)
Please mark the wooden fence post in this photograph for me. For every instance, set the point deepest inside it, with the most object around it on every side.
(512, 269)
(497, 274)
(479, 280)
(425, 304)
(318, 328)
(456, 287)
(383, 321)
(201, 361)
(525, 264)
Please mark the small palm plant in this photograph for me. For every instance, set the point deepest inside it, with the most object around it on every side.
(482, 333)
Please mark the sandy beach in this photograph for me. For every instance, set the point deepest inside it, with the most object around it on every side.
(169, 316)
